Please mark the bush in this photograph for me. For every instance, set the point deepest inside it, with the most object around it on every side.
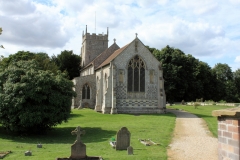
(183, 102)
(222, 101)
(33, 100)
(196, 105)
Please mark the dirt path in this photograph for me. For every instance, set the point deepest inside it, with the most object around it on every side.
(192, 140)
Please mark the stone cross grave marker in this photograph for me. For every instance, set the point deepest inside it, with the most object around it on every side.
(78, 149)
(123, 139)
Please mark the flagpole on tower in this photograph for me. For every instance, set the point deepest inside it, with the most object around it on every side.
(95, 23)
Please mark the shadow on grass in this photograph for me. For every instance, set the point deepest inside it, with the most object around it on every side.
(163, 115)
(74, 115)
(186, 114)
(203, 115)
(60, 135)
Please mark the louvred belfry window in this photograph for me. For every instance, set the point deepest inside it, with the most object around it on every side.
(136, 75)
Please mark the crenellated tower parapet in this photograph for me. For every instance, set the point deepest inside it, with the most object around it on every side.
(92, 46)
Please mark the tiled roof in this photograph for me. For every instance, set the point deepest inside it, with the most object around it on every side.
(112, 56)
(103, 56)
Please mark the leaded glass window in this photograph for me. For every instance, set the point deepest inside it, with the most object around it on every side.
(86, 92)
(136, 75)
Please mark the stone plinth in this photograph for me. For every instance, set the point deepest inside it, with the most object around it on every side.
(78, 150)
(228, 133)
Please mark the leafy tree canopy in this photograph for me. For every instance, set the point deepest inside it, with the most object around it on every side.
(69, 62)
(186, 78)
(42, 59)
(33, 100)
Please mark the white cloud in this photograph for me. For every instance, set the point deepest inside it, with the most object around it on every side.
(235, 1)
(237, 59)
(43, 27)
(199, 7)
(16, 7)
(206, 28)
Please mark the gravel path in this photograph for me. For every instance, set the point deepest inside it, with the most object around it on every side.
(191, 140)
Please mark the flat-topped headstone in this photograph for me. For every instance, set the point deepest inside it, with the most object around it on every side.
(123, 139)
(130, 150)
(230, 112)
(78, 149)
(39, 145)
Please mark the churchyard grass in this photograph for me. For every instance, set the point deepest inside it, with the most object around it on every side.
(99, 128)
(204, 112)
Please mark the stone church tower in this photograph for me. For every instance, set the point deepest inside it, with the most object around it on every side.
(92, 46)
(118, 80)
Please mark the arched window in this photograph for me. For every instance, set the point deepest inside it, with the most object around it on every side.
(136, 75)
(86, 92)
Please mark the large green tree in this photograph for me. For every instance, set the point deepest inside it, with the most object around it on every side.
(236, 76)
(33, 100)
(69, 62)
(42, 59)
(185, 76)
(225, 88)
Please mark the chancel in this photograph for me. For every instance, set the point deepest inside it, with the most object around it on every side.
(118, 80)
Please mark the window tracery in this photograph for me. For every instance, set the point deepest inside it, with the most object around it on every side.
(136, 75)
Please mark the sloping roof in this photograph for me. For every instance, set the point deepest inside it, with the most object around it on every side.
(103, 56)
(114, 55)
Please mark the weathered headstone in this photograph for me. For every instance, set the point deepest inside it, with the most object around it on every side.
(123, 139)
(28, 153)
(130, 150)
(39, 145)
(78, 149)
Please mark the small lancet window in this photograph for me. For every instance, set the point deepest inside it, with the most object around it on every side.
(136, 75)
(86, 92)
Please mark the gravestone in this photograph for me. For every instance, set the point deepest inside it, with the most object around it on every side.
(28, 153)
(39, 145)
(130, 150)
(123, 139)
(78, 149)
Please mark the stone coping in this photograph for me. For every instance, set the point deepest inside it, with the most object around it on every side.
(230, 112)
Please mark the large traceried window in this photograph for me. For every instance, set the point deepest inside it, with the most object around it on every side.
(86, 92)
(136, 75)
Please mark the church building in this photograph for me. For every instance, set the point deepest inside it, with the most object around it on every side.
(118, 80)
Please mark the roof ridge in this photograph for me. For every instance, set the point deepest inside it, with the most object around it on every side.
(90, 63)
(113, 56)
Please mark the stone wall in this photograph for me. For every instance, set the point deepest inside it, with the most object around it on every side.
(92, 46)
(87, 71)
(228, 133)
(79, 82)
(150, 101)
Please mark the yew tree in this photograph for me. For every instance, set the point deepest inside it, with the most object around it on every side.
(33, 100)
(68, 62)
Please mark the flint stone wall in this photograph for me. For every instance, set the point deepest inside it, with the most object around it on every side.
(79, 82)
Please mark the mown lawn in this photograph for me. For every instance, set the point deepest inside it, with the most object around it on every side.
(204, 112)
(99, 128)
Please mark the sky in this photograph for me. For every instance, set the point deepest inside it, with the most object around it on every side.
(207, 29)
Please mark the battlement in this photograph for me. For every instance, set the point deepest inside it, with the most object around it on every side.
(93, 36)
(92, 46)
